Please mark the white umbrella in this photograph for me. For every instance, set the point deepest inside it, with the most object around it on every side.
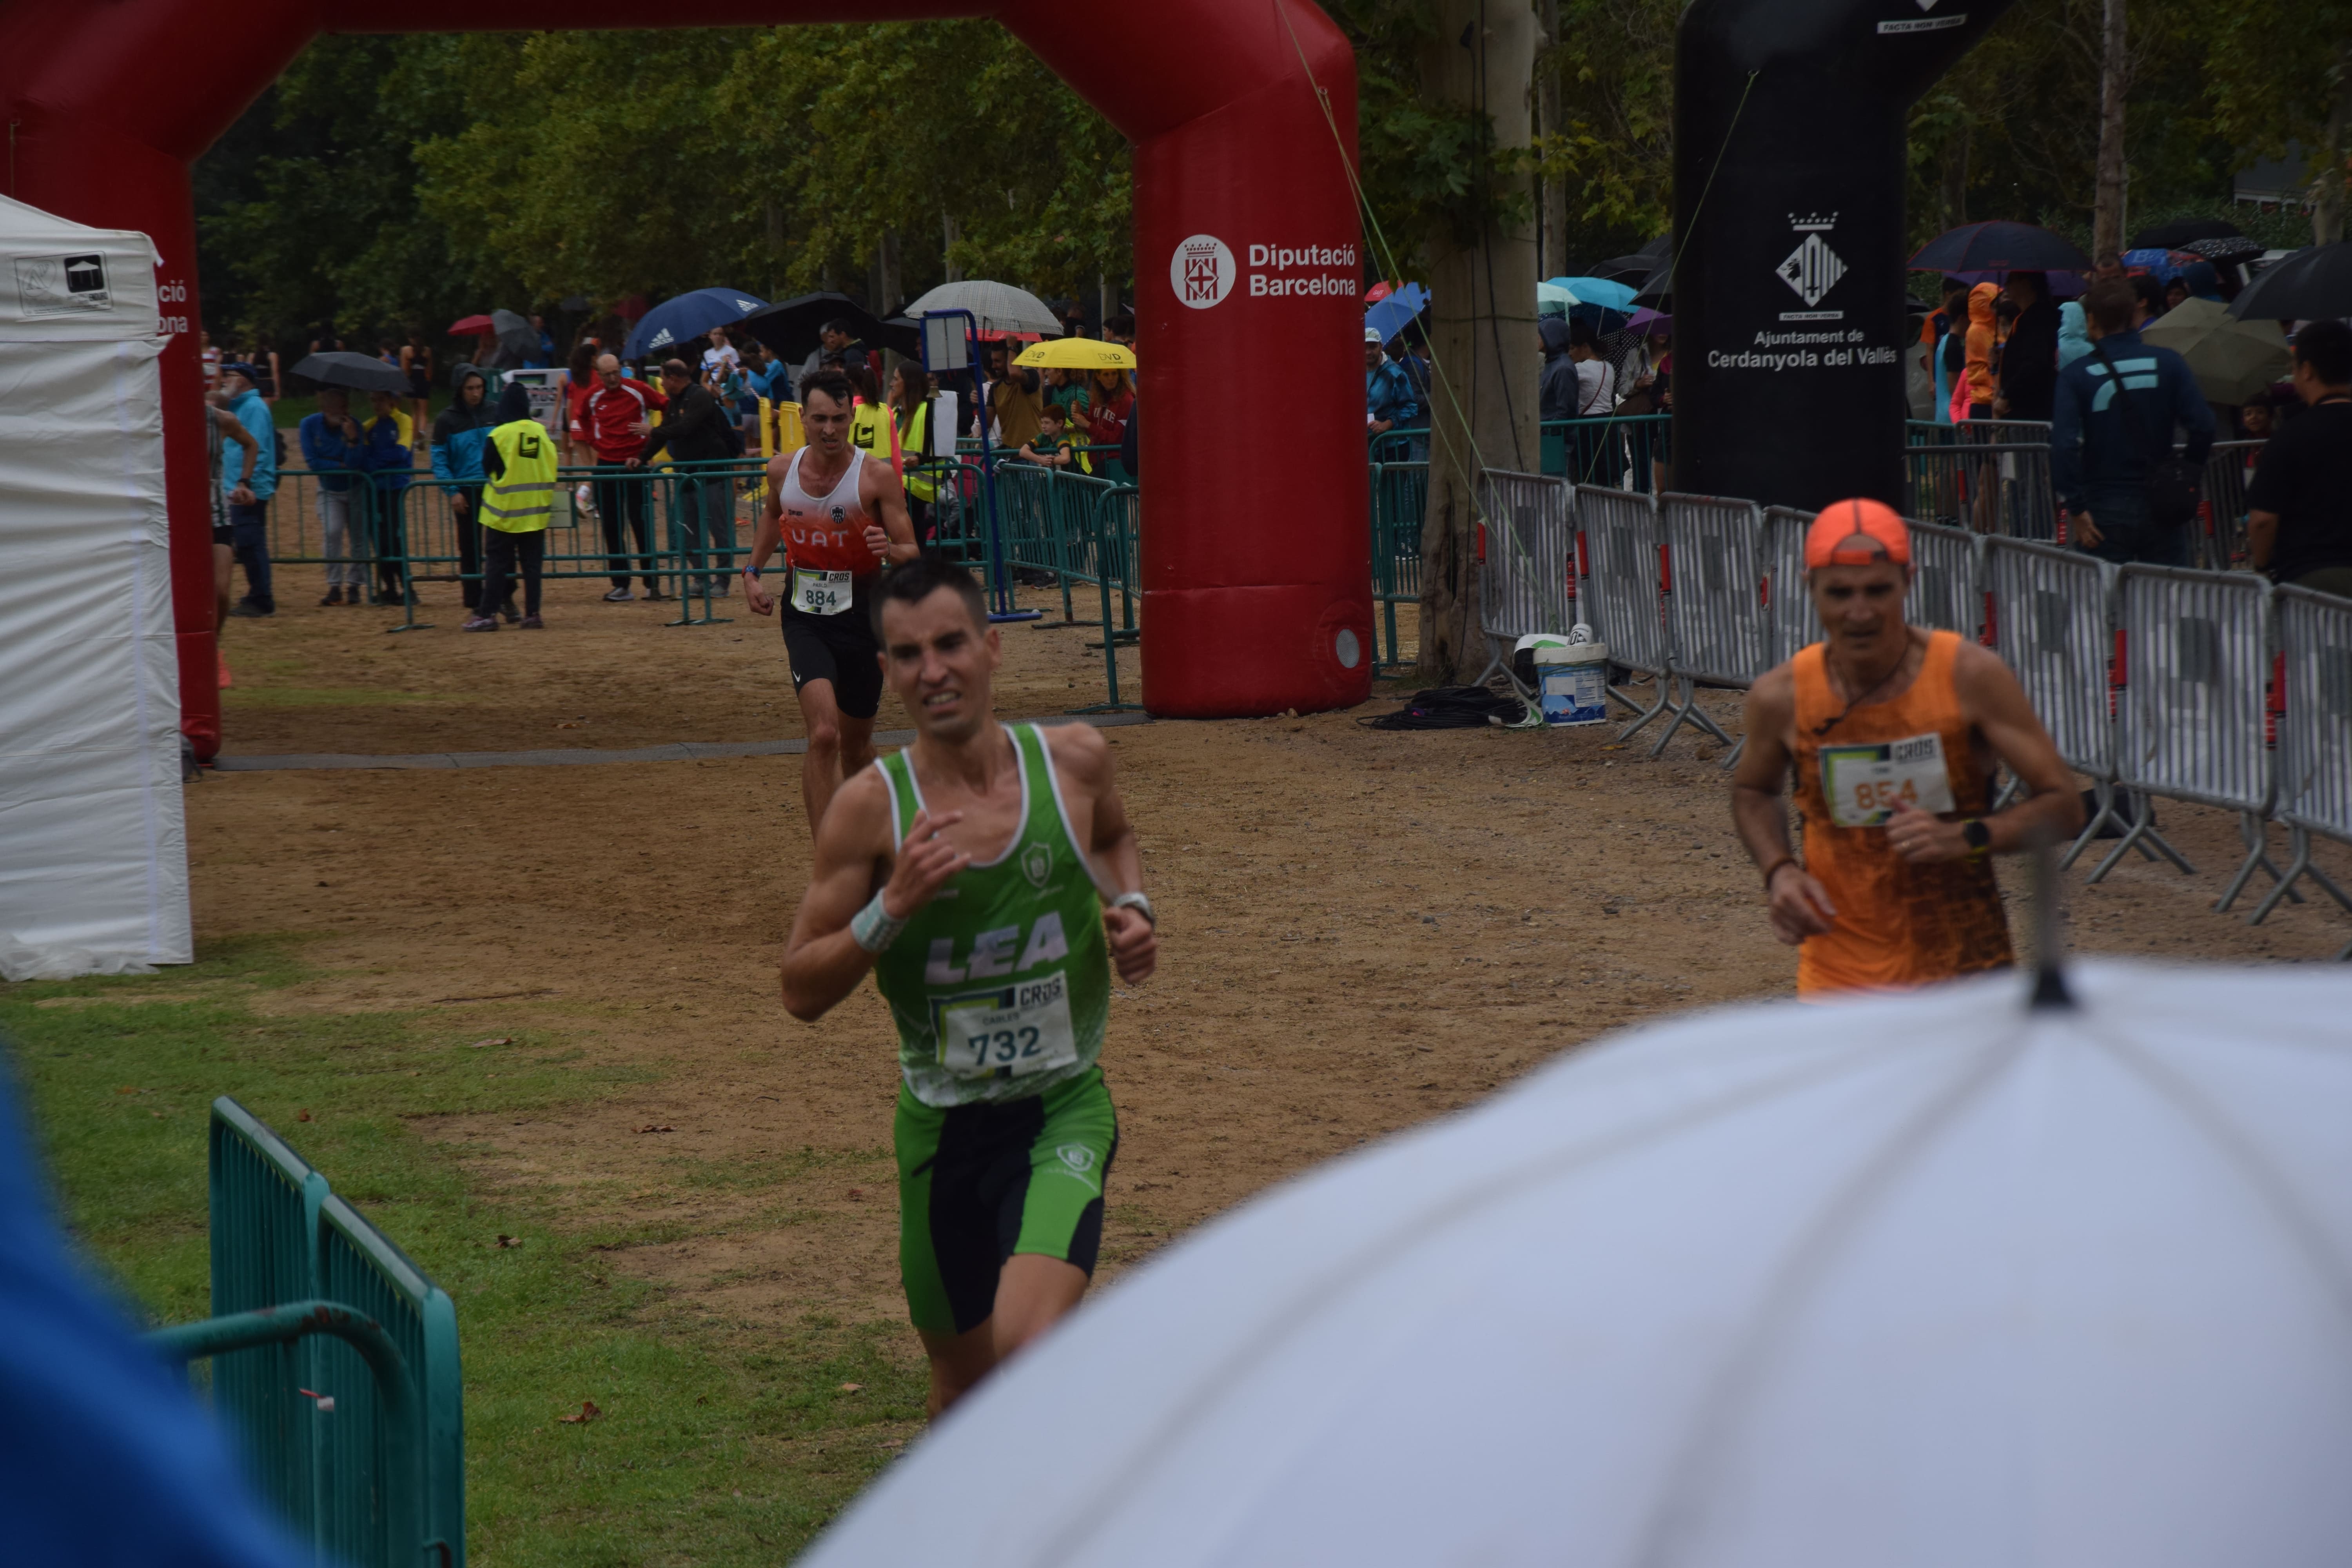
(1000, 307)
(1927, 1280)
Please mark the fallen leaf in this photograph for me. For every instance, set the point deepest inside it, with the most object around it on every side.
(501, 1040)
(158, 1115)
(301, 1116)
(851, 1387)
(860, 1192)
(127, 1088)
(567, 724)
(895, 1443)
(505, 1240)
(588, 1411)
(662, 1127)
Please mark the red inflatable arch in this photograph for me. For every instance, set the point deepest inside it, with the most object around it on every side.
(1255, 557)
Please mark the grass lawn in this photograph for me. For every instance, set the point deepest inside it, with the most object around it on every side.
(714, 1446)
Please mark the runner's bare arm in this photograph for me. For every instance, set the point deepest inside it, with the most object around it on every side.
(765, 537)
(881, 494)
(1082, 757)
(823, 961)
(1997, 705)
(1799, 905)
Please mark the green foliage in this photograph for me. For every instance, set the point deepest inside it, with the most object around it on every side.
(2012, 130)
(712, 1447)
(1614, 61)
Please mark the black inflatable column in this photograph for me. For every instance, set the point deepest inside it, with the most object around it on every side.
(1789, 237)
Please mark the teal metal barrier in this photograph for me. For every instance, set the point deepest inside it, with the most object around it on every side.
(391, 1510)
(1400, 494)
(281, 1238)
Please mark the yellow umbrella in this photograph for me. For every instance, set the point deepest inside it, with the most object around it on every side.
(1077, 354)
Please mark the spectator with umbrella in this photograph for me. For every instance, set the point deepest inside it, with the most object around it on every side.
(1103, 415)
(2028, 359)
(1390, 403)
(335, 452)
(389, 459)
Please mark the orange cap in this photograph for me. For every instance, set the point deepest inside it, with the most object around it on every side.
(1856, 533)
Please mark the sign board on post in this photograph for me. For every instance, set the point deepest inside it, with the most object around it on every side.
(945, 347)
(547, 389)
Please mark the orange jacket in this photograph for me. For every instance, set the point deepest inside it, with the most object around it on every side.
(1980, 334)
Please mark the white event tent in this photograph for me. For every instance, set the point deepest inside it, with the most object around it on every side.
(93, 842)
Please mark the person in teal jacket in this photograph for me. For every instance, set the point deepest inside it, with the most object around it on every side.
(248, 520)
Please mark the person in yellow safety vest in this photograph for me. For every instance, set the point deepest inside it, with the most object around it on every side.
(518, 504)
(869, 418)
(910, 399)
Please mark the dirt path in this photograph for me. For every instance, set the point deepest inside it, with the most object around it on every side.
(1362, 929)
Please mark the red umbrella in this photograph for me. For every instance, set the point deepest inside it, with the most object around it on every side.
(480, 326)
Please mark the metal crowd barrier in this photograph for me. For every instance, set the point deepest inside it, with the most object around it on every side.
(322, 1435)
(1976, 433)
(1619, 451)
(2193, 673)
(1620, 563)
(2221, 539)
(2000, 490)
(1791, 619)
(1716, 597)
(1526, 571)
(695, 520)
(1400, 493)
(2315, 737)
(1944, 591)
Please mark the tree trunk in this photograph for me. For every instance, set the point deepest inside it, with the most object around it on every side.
(2327, 191)
(2115, 81)
(1483, 341)
(1553, 258)
(886, 274)
(1956, 178)
(949, 235)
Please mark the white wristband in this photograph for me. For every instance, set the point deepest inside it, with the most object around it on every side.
(873, 928)
(1141, 904)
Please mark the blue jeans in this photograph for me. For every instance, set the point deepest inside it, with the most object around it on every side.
(2125, 534)
(249, 538)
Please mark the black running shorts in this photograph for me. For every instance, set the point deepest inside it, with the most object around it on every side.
(840, 648)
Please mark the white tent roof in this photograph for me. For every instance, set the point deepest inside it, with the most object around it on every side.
(93, 851)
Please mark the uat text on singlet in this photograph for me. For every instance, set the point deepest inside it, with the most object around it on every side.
(1897, 923)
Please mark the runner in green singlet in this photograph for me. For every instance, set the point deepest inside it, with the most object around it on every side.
(988, 877)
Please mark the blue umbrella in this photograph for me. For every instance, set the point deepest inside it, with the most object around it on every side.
(1389, 316)
(1599, 292)
(673, 321)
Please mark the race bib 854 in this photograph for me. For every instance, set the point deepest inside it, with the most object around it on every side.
(1864, 783)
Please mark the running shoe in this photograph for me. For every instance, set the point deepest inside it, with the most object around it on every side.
(481, 624)
(620, 596)
(532, 623)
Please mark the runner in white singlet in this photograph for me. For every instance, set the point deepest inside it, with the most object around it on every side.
(839, 520)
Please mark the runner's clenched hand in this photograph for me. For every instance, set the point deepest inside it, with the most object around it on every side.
(1922, 838)
(925, 863)
(756, 598)
(1134, 944)
(1799, 906)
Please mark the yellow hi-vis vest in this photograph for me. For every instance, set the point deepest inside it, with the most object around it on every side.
(919, 485)
(522, 498)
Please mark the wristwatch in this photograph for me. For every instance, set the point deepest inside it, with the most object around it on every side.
(1140, 904)
(1977, 836)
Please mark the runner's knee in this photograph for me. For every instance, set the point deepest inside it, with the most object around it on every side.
(824, 735)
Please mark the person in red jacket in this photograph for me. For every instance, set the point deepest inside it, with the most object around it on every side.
(611, 418)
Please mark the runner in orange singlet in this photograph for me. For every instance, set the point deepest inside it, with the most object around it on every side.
(1894, 731)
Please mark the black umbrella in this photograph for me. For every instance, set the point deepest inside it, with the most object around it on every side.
(2176, 235)
(357, 372)
(789, 328)
(1657, 289)
(1998, 248)
(2222, 252)
(2314, 282)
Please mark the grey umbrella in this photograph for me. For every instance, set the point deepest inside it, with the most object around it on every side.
(517, 336)
(358, 372)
